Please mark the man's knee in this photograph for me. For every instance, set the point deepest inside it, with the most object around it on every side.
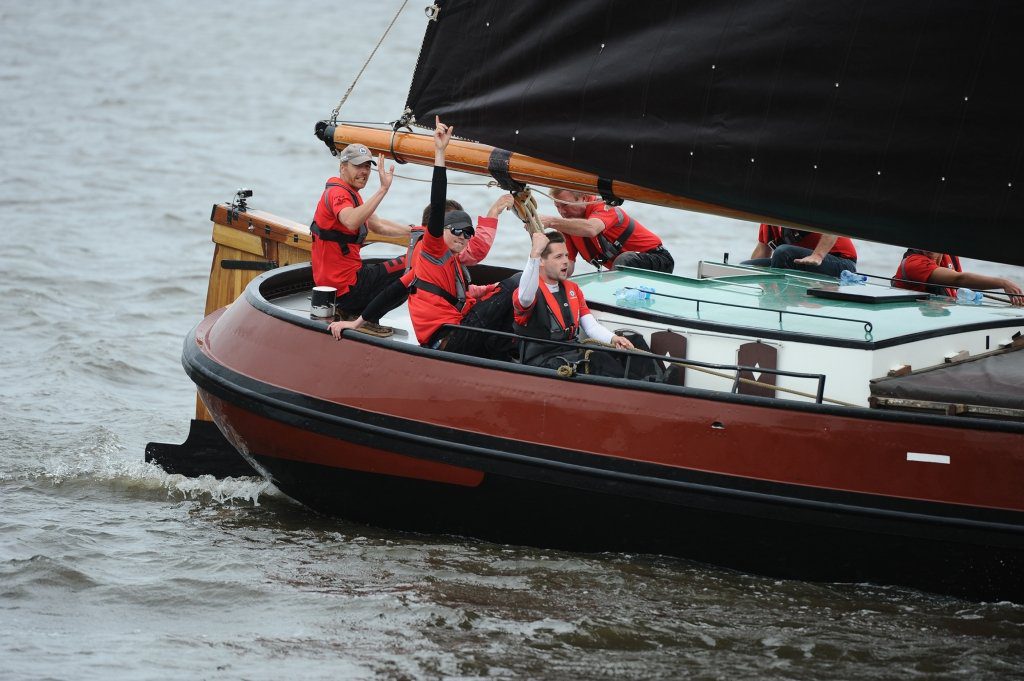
(783, 256)
(659, 260)
(628, 259)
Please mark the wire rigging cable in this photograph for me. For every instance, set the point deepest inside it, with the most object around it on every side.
(344, 98)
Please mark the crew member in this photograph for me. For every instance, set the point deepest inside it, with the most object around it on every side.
(483, 236)
(790, 249)
(941, 274)
(340, 225)
(605, 235)
(558, 311)
(438, 285)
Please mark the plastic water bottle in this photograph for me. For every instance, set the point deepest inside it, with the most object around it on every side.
(966, 296)
(628, 295)
(848, 278)
(647, 292)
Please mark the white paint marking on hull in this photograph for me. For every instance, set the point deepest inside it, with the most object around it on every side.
(927, 458)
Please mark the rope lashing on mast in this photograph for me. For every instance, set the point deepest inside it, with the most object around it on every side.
(525, 207)
(344, 98)
(404, 121)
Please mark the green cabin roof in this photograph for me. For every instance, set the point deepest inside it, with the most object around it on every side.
(753, 302)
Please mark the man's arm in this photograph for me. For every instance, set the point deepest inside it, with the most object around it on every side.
(486, 230)
(439, 181)
(825, 244)
(761, 251)
(943, 276)
(586, 227)
(387, 227)
(530, 281)
(354, 216)
(595, 330)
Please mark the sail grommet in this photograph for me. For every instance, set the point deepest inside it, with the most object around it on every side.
(431, 11)
(604, 188)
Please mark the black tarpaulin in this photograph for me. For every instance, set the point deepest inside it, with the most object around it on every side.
(898, 122)
(990, 381)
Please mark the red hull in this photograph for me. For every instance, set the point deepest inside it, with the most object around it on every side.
(397, 435)
(760, 440)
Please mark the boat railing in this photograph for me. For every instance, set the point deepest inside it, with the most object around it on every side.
(868, 326)
(631, 356)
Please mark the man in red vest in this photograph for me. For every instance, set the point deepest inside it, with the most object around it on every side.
(483, 235)
(340, 225)
(438, 287)
(605, 235)
(934, 272)
(791, 249)
(548, 306)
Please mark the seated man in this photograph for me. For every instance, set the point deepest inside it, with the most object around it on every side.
(934, 272)
(483, 236)
(340, 225)
(790, 249)
(438, 285)
(605, 235)
(559, 311)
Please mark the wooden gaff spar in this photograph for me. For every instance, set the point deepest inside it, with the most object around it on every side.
(475, 158)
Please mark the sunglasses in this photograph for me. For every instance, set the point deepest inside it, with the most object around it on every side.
(461, 231)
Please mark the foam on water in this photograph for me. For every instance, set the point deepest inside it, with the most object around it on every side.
(102, 458)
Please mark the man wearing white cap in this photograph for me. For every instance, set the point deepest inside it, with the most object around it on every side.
(340, 225)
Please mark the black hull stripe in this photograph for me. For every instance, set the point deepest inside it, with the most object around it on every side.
(495, 455)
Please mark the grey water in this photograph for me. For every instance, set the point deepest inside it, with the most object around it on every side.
(120, 125)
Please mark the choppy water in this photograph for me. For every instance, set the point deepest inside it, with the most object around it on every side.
(120, 125)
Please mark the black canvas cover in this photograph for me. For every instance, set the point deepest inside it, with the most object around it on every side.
(989, 381)
(900, 122)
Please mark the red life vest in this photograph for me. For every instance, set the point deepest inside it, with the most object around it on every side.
(437, 290)
(774, 236)
(911, 280)
(335, 264)
(553, 316)
(333, 229)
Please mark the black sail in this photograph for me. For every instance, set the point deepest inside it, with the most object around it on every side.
(898, 122)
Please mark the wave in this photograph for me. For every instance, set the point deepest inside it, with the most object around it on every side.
(21, 578)
(101, 457)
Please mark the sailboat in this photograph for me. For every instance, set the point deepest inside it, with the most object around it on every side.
(795, 427)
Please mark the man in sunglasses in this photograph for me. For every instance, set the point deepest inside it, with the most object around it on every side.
(484, 233)
(438, 285)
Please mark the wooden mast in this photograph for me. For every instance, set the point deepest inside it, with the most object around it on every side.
(472, 157)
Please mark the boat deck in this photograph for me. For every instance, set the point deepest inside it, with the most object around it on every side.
(716, 318)
(779, 301)
(298, 304)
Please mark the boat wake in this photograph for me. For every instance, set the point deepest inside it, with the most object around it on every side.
(101, 457)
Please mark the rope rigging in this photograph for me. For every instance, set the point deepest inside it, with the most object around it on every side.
(344, 98)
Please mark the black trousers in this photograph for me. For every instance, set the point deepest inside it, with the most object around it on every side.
(370, 280)
(599, 363)
(494, 313)
(658, 260)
